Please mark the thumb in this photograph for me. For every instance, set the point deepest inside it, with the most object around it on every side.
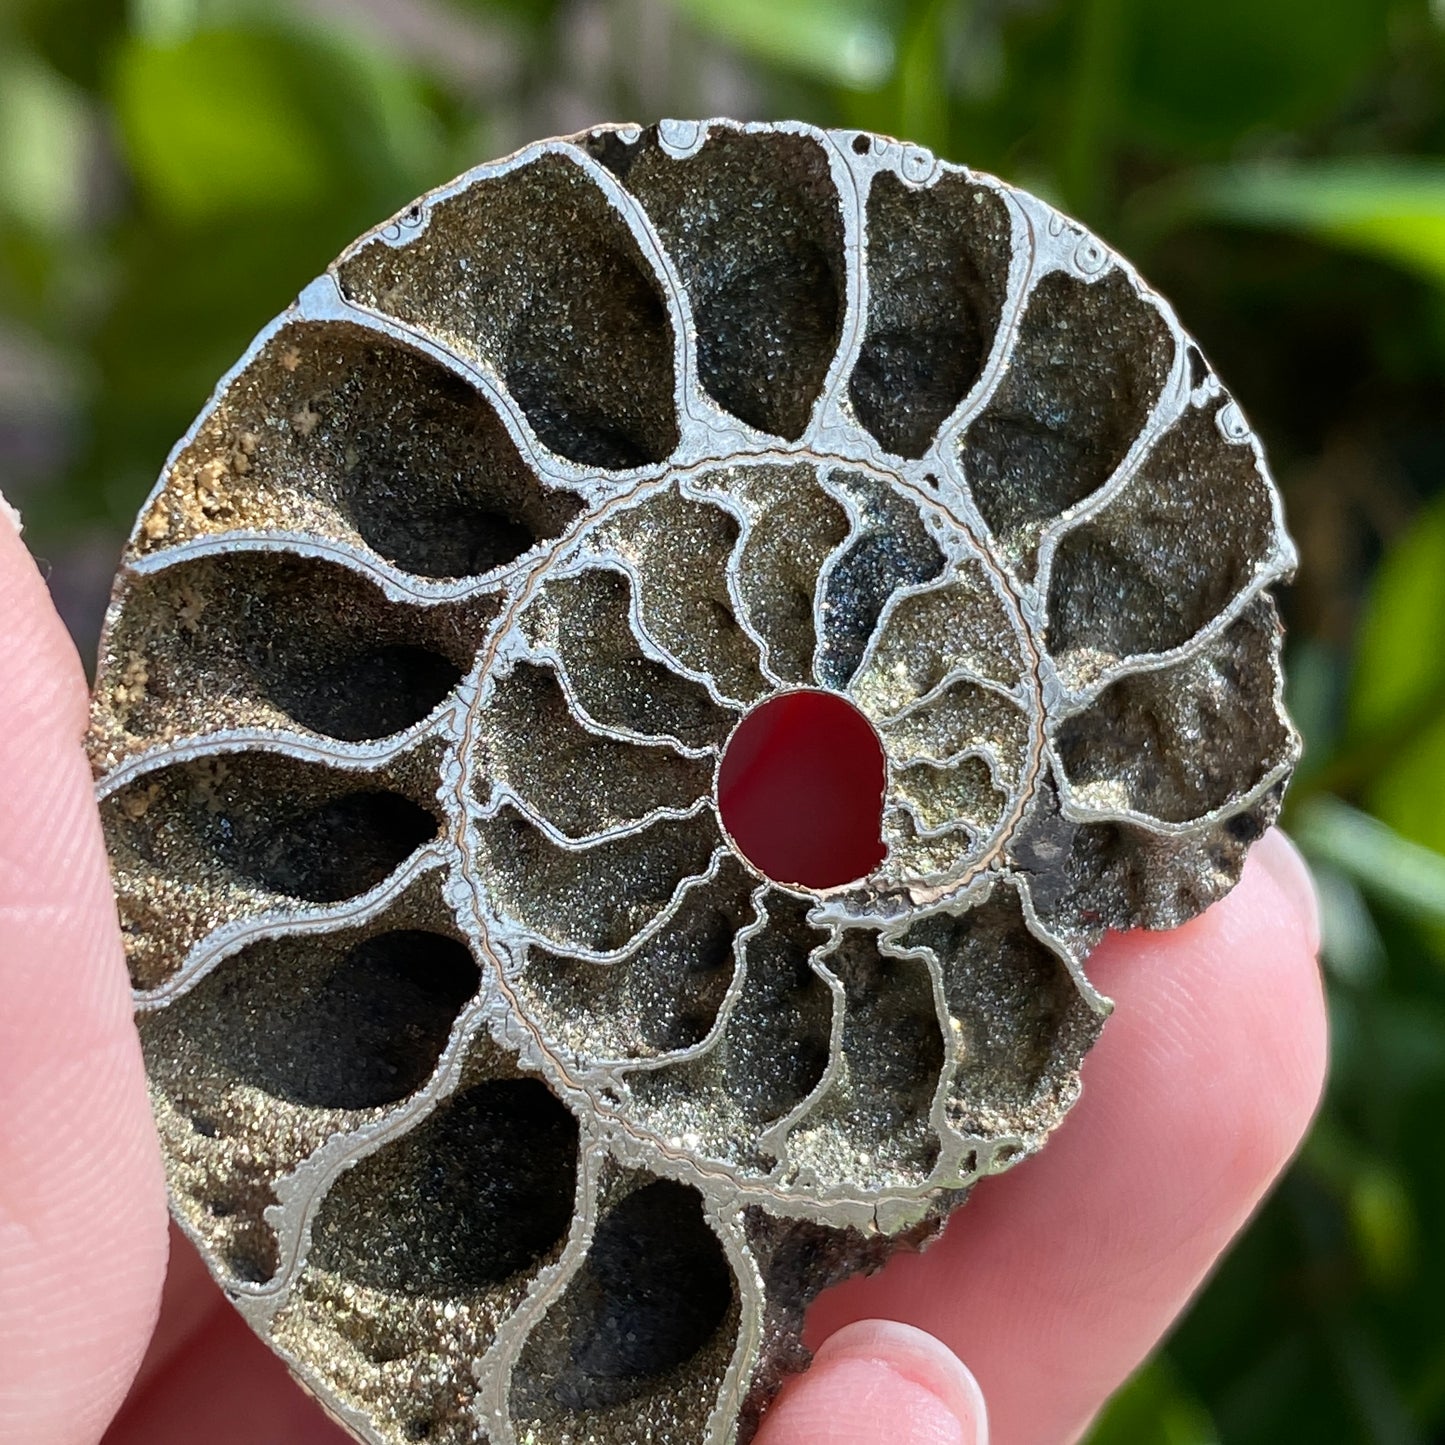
(877, 1382)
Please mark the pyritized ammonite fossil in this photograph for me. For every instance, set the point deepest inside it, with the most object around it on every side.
(505, 1096)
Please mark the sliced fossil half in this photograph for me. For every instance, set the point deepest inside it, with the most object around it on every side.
(502, 1094)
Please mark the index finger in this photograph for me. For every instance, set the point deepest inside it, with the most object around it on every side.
(82, 1212)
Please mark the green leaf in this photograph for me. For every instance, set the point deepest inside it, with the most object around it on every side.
(1154, 1407)
(530, 14)
(1397, 692)
(1392, 209)
(1382, 1220)
(1350, 943)
(1092, 117)
(1409, 791)
(211, 127)
(849, 42)
(1391, 748)
(76, 38)
(168, 22)
(45, 141)
(1375, 1192)
(280, 118)
(1399, 670)
(920, 81)
(1203, 75)
(1386, 865)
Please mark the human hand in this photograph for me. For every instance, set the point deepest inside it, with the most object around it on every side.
(1053, 1283)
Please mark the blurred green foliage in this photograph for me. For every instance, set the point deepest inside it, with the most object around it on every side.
(172, 171)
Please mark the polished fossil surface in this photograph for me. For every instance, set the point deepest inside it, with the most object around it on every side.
(503, 1095)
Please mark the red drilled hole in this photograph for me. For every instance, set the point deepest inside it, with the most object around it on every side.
(800, 790)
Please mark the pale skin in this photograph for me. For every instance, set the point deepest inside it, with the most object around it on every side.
(1047, 1290)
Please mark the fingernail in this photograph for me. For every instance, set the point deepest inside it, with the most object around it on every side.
(920, 1359)
(1284, 863)
(9, 514)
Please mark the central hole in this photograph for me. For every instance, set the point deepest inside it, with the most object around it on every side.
(800, 790)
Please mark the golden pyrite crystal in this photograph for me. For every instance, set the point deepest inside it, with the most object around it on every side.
(502, 1094)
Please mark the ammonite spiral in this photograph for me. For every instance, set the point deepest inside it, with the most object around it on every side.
(506, 1098)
